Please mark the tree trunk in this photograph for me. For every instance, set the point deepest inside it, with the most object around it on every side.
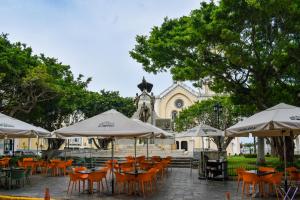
(260, 151)
(95, 143)
(254, 144)
(278, 144)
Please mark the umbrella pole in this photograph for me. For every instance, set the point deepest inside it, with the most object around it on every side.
(135, 153)
(37, 147)
(147, 148)
(112, 167)
(202, 159)
(285, 164)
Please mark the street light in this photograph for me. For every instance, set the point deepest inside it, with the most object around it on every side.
(218, 108)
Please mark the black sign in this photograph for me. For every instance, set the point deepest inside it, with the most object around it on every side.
(106, 124)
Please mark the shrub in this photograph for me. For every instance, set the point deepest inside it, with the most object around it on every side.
(250, 155)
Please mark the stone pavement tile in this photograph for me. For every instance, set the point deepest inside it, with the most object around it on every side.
(179, 185)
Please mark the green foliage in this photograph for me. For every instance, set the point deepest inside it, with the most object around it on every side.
(248, 49)
(203, 112)
(42, 91)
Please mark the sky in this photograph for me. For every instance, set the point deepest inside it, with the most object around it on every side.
(94, 37)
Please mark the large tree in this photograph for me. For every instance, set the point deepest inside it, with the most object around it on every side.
(246, 48)
(42, 91)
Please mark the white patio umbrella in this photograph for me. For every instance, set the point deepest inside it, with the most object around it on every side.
(110, 124)
(14, 128)
(280, 120)
(202, 130)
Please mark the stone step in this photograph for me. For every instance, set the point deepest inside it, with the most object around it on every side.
(177, 162)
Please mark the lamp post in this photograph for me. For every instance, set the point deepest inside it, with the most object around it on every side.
(218, 108)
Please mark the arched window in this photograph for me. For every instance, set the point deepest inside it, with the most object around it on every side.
(174, 114)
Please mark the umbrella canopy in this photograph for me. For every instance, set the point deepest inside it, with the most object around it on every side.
(159, 133)
(14, 128)
(108, 124)
(275, 121)
(201, 130)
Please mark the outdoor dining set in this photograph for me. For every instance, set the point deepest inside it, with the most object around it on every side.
(138, 176)
(266, 180)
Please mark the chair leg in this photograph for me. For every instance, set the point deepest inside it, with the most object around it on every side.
(69, 186)
(243, 189)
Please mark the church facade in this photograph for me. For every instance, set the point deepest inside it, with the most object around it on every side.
(177, 97)
(174, 99)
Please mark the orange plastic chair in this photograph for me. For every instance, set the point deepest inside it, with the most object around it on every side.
(109, 164)
(140, 159)
(291, 173)
(145, 183)
(62, 168)
(105, 170)
(156, 158)
(145, 165)
(52, 167)
(96, 177)
(239, 172)
(153, 173)
(126, 167)
(27, 159)
(4, 162)
(266, 169)
(80, 177)
(20, 163)
(294, 176)
(121, 180)
(74, 179)
(249, 179)
(274, 182)
(129, 158)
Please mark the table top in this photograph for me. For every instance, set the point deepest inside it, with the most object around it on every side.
(260, 173)
(136, 172)
(216, 161)
(12, 168)
(88, 171)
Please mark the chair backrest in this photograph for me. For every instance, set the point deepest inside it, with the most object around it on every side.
(73, 176)
(69, 163)
(129, 158)
(266, 169)
(276, 178)
(155, 158)
(27, 159)
(20, 163)
(291, 169)
(96, 176)
(239, 171)
(140, 159)
(250, 178)
(126, 165)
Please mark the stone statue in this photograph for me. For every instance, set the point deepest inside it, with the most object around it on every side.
(144, 113)
(136, 100)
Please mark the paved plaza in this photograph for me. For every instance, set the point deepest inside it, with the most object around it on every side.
(179, 185)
